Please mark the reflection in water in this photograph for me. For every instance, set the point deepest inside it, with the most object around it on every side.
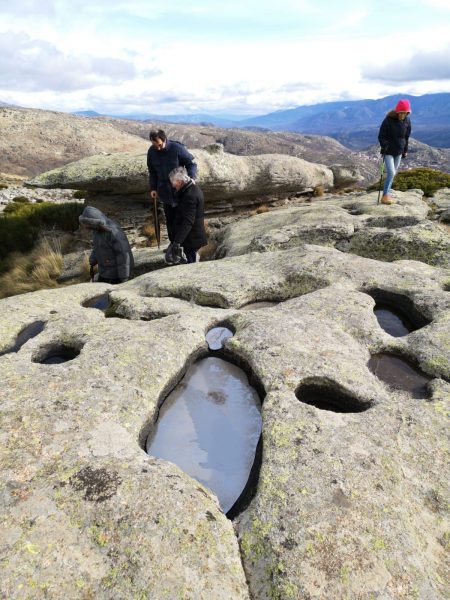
(210, 426)
(101, 302)
(400, 374)
(26, 334)
(217, 336)
(392, 321)
(258, 305)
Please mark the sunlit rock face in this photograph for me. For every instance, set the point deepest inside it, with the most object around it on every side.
(221, 175)
(351, 467)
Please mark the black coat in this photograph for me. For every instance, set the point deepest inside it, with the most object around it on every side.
(190, 220)
(394, 134)
(161, 162)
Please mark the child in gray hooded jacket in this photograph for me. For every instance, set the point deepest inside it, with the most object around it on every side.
(111, 252)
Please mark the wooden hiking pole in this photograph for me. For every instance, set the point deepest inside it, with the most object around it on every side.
(156, 221)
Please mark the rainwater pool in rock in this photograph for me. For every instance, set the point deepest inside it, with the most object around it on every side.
(100, 302)
(392, 321)
(209, 426)
(400, 374)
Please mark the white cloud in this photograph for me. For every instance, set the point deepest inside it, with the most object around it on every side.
(35, 65)
(421, 66)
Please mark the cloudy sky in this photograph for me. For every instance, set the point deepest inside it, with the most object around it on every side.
(240, 57)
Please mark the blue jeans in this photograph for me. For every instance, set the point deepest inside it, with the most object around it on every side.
(391, 163)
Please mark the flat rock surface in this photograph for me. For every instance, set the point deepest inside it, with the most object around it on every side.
(352, 223)
(347, 504)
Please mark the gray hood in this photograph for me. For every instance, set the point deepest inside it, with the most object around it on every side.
(94, 218)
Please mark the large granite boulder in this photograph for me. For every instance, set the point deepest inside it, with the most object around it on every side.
(221, 175)
(352, 501)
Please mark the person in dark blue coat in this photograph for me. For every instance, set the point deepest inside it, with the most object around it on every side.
(163, 156)
(189, 226)
(394, 137)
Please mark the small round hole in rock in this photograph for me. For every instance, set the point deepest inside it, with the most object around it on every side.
(404, 316)
(57, 355)
(329, 396)
(101, 302)
(394, 322)
(217, 336)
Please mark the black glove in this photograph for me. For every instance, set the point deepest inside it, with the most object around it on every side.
(404, 155)
(174, 254)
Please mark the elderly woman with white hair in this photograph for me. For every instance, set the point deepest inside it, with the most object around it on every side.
(189, 226)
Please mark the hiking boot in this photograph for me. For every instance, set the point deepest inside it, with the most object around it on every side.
(387, 200)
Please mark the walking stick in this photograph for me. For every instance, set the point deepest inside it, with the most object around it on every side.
(381, 179)
(156, 221)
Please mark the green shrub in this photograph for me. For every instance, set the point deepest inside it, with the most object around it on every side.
(427, 180)
(80, 194)
(20, 223)
(20, 199)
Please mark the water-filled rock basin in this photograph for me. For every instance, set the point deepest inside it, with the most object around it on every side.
(392, 321)
(100, 302)
(209, 426)
(400, 374)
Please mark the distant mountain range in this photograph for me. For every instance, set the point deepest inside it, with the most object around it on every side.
(188, 119)
(354, 123)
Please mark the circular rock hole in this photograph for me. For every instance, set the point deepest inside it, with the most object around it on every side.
(396, 313)
(57, 354)
(327, 395)
(353, 209)
(217, 336)
(101, 302)
(400, 373)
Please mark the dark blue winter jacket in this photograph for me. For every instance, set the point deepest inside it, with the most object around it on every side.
(161, 162)
(394, 134)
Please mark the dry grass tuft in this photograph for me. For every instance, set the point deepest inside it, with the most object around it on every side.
(319, 190)
(262, 209)
(207, 252)
(148, 229)
(34, 271)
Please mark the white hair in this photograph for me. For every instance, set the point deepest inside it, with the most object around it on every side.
(179, 174)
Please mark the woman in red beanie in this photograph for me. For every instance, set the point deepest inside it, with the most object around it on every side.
(393, 137)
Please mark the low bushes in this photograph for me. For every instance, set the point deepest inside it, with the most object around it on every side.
(427, 180)
(21, 223)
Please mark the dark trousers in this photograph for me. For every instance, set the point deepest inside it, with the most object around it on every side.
(170, 213)
(107, 280)
(191, 254)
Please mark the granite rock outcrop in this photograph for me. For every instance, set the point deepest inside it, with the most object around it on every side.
(351, 501)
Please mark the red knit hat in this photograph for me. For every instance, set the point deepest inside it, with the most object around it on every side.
(403, 106)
